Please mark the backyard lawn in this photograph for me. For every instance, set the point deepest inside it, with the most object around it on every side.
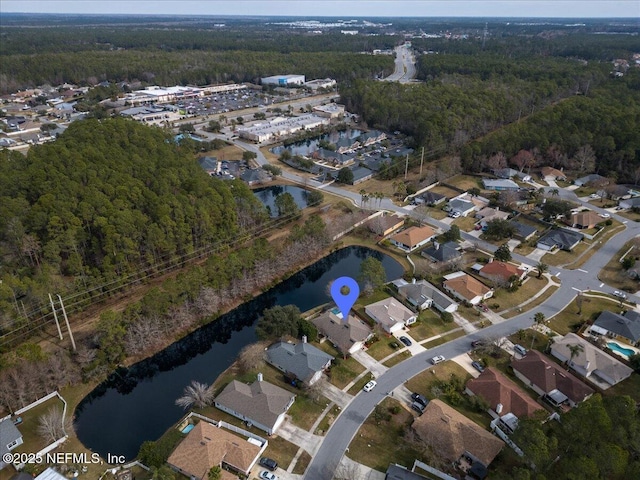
(568, 320)
(33, 442)
(381, 441)
(614, 275)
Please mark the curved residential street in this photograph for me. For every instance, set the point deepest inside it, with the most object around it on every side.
(336, 442)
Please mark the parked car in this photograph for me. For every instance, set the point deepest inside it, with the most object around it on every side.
(437, 359)
(520, 349)
(405, 340)
(476, 343)
(478, 366)
(269, 463)
(418, 407)
(416, 397)
(268, 475)
(370, 386)
(605, 215)
(594, 195)
(455, 214)
(618, 294)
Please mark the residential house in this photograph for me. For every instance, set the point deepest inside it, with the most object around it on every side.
(559, 238)
(446, 252)
(454, 437)
(48, 474)
(590, 362)
(630, 203)
(207, 446)
(209, 165)
(334, 158)
(255, 176)
(506, 399)
(423, 295)
(501, 273)
(432, 198)
(462, 206)
(465, 287)
(413, 238)
(10, 438)
(390, 314)
(523, 232)
(550, 380)
(505, 173)
(616, 192)
(552, 174)
(500, 185)
(302, 361)
(384, 225)
(622, 327)
(261, 403)
(487, 214)
(347, 336)
(398, 472)
(593, 178)
(582, 220)
(361, 174)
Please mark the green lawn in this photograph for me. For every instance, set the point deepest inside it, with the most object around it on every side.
(568, 320)
(357, 387)
(302, 463)
(381, 442)
(344, 371)
(444, 339)
(533, 304)
(433, 212)
(562, 257)
(525, 292)
(29, 426)
(465, 182)
(613, 274)
(328, 420)
(281, 451)
(397, 358)
(428, 325)
(466, 224)
(304, 411)
(383, 347)
(630, 386)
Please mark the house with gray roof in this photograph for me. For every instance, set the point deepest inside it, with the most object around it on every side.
(462, 206)
(630, 203)
(255, 176)
(523, 231)
(500, 185)
(348, 336)
(625, 327)
(559, 238)
(361, 174)
(301, 361)
(10, 438)
(505, 173)
(432, 198)
(591, 362)
(594, 177)
(390, 314)
(445, 252)
(261, 403)
(423, 295)
(209, 165)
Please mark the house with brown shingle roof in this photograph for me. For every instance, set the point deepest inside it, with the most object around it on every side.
(261, 403)
(503, 395)
(208, 445)
(413, 237)
(452, 436)
(467, 288)
(501, 272)
(390, 314)
(588, 219)
(547, 378)
(347, 336)
(550, 173)
(384, 225)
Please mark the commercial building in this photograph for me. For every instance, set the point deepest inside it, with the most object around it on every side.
(320, 83)
(280, 127)
(283, 80)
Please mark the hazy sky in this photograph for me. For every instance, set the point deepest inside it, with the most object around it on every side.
(368, 8)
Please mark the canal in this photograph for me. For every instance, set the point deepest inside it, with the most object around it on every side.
(137, 404)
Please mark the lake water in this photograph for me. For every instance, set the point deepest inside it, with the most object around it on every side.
(137, 404)
(311, 145)
(267, 196)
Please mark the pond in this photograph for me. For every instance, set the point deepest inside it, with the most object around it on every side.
(267, 196)
(308, 146)
(137, 404)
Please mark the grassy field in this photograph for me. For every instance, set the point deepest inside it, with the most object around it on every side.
(444, 339)
(631, 215)
(29, 426)
(344, 371)
(433, 212)
(382, 348)
(533, 304)
(357, 387)
(510, 299)
(465, 182)
(446, 191)
(466, 224)
(568, 319)
(380, 442)
(396, 359)
(302, 463)
(561, 257)
(327, 421)
(428, 325)
(614, 275)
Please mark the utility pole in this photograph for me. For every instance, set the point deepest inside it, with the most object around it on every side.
(484, 34)
(406, 167)
(66, 319)
(421, 160)
(55, 315)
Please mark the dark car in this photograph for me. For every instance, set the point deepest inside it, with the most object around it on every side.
(269, 463)
(416, 397)
(478, 366)
(405, 340)
(418, 407)
(476, 343)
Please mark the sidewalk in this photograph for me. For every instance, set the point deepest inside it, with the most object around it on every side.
(299, 437)
(334, 394)
(369, 363)
(466, 325)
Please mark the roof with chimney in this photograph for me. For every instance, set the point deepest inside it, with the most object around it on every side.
(302, 359)
(442, 252)
(344, 334)
(497, 389)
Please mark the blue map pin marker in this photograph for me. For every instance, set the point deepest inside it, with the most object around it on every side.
(345, 302)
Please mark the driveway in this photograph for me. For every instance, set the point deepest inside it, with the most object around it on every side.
(334, 394)
(299, 437)
(370, 363)
(415, 347)
(464, 323)
(464, 361)
(537, 254)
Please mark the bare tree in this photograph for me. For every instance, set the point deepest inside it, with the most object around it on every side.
(585, 157)
(52, 425)
(197, 394)
(251, 357)
(347, 470)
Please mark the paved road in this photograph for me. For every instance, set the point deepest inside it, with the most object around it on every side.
(405, 66)
(345, 427)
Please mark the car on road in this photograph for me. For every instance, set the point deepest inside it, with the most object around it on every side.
(416, 397)
(437, 359)
(405, 340)
(476, 343)
(605, 215)
(370, 386)
(269, 463)
(478, 366)
(268, 475)
(618, 294)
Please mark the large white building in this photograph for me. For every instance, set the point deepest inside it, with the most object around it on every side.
(281, 126)
(283, 80)
(320, 83)
(157, 94)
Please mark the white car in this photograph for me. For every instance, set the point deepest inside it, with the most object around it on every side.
(618, 294)
(370, 386)
(437, 359)
(605, 215)
(268, 475)
(594, 195)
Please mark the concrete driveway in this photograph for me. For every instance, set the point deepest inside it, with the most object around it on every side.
(464, 361)
(299, 437)
(415, 347)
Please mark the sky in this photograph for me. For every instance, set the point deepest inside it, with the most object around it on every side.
(339, 8)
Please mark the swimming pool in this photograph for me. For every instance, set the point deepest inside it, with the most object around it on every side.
(188, 428)
(627, 352)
